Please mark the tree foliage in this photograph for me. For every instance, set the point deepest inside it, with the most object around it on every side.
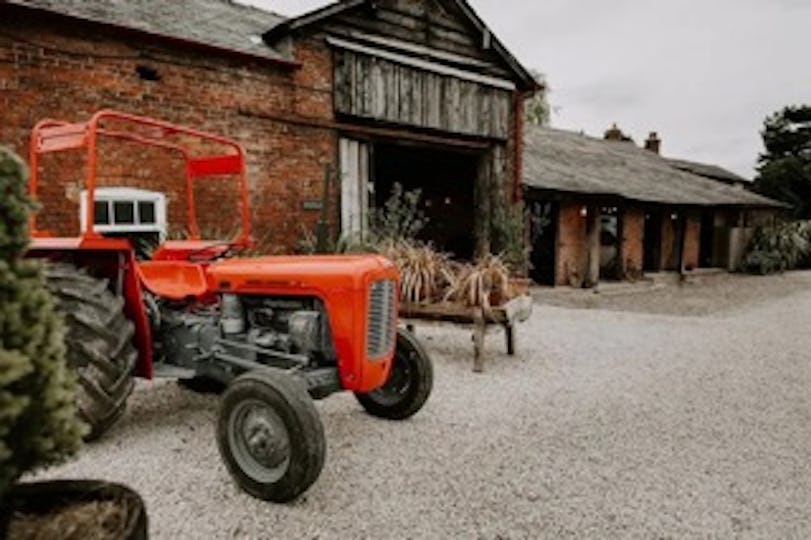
(779, 247)
(538, 111)
(784, 170)
(38, 422)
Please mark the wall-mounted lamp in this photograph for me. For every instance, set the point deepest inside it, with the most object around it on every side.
(584, 211)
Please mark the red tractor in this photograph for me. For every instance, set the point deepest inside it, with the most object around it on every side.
(274, 332)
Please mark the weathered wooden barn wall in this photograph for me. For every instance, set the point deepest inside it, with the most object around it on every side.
(419, 65)
(380, 89)
(431, 23)
(416, 63)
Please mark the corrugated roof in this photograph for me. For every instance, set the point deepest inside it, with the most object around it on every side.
(571, 162)
(217, 23)
(708, 170)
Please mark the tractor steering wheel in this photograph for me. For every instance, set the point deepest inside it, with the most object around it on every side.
(210, 253)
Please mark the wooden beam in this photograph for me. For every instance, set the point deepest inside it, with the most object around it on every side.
(413, 48)
(388, 133)
(425, 65)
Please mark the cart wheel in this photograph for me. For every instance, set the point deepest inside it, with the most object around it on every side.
(409, 384)
(270, 436)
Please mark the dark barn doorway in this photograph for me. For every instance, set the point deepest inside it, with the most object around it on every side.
(653, 241)
(543, 220)
(610, 244)
(447, 181)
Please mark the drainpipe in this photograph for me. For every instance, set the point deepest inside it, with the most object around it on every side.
(519, 98)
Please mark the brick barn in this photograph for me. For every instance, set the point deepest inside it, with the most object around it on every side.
(607, 209)
(416, 92)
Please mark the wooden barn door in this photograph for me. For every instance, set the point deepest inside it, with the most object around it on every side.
(354, 156)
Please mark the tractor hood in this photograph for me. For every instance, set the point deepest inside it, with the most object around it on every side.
(322, 272)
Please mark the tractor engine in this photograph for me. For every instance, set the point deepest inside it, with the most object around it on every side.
(239, 333)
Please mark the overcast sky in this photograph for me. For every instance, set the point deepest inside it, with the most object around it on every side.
(702, 73)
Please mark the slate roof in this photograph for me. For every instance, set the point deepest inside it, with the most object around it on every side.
(216, 23)
(570, 162)
(710, 171)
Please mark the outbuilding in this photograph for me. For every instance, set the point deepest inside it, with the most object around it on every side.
(607, 209)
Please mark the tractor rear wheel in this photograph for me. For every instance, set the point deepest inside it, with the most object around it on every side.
(270, 436)
(409, 384)
(99, 344)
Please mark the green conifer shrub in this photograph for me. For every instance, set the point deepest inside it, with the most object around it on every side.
(38, 420)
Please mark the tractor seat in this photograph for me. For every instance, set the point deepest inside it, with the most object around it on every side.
(174, 280)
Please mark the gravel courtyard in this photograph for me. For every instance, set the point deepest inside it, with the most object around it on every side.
(681, 412)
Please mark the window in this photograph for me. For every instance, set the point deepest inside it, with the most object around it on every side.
(146, 212)
(102, 213)
(126, 210)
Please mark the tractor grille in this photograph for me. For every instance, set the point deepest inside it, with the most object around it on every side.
(382, 319)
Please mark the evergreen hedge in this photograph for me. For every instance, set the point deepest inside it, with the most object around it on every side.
(38, 420)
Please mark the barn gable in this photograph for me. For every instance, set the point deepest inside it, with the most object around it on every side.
(429, 64)
(446, 31)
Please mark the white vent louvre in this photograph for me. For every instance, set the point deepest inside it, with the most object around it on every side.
(382, 319)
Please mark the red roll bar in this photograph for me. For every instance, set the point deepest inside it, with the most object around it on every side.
(56, 136)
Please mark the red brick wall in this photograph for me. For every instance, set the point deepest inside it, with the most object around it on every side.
(633, 235)
(50, 69)
(571, 245)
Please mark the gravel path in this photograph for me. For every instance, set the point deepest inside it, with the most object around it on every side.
(607, 424)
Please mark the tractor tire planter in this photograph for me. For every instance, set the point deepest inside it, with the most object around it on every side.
(409, 384)
(41, 501)
(270, 435)
(99, 343)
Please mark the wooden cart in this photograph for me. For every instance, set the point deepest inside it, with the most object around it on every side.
(508, 316)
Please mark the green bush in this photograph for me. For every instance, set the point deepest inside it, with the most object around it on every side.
(399, 219)
(38, 422)
(509, 237)
(777, 248)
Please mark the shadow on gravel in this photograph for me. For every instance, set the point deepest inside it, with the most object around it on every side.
(162, 405)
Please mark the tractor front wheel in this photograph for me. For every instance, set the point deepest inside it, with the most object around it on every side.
(99, 344)
(409, 384)
(270, 436)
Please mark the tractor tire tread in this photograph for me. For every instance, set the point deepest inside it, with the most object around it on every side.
(421, 387)
(99, 343)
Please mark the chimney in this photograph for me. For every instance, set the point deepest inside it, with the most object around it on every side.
(654, 143)
(614, 133)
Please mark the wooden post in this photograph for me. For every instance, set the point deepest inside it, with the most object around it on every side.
(509, 331)
(683, 217)
(593, 247)
(479, 329)
(482, 198)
